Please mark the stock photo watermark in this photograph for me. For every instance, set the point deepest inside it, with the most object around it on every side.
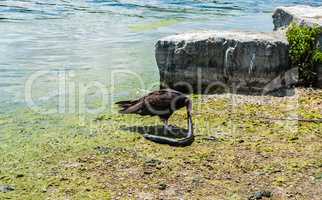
(71, 94)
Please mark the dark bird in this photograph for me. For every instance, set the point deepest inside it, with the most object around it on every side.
(162, 103)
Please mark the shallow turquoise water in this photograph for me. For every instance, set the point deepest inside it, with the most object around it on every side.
(85, 42)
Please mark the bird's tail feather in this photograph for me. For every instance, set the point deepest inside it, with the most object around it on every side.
(127, 106)
(125, 103)
(122, 102)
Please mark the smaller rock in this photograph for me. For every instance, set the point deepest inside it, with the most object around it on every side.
(162, 186)
(197, 179)
(152, 162)
(148, 172)
(260, 195)
(20, 176)
(63, 179)
(103, 150)
(6, 188)
(318, 176)
(218, 136)
(241, 141)
(211, 138)
(293, 138)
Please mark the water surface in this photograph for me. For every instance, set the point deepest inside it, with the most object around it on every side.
(85, 42)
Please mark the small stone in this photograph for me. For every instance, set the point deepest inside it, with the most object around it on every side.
(6, 188)
(318, 177)
(20, 176)
(197, 180)
(211, 138)
(260, 195)
(241, 141)
(103, 150)
(162, 186)
(148, 172)
(260, 173)
(276, 171)
(152, 162)
(293, 138)
(63, 179)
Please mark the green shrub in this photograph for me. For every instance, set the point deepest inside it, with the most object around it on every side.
(317, 57)
(303, 52)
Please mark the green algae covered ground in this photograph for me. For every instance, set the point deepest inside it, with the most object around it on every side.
(244, 145)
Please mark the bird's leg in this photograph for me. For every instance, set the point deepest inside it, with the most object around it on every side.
(166, 126)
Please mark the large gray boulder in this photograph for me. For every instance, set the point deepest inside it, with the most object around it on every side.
(231, 60)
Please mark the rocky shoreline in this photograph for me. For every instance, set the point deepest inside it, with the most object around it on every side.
(241, 142)
(234, 61)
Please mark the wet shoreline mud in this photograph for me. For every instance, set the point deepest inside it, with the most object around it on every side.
(243, 148)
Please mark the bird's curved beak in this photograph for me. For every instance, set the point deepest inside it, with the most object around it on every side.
(189, 106)
(190, 123)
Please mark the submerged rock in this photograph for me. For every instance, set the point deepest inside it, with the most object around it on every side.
(234, 61)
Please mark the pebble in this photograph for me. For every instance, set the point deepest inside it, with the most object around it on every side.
(103, 150)
(20, 176)
(148, 171)
(162, 186)
(260, 195)
(152, 162)
(6, 188)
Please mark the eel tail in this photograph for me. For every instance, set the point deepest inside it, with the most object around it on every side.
(188, 140)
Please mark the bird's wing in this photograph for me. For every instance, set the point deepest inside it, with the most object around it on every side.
(160, 100)
(133, 108)
(151, 103)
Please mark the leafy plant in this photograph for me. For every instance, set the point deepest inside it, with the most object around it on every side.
(303, 52)
(317, 57)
